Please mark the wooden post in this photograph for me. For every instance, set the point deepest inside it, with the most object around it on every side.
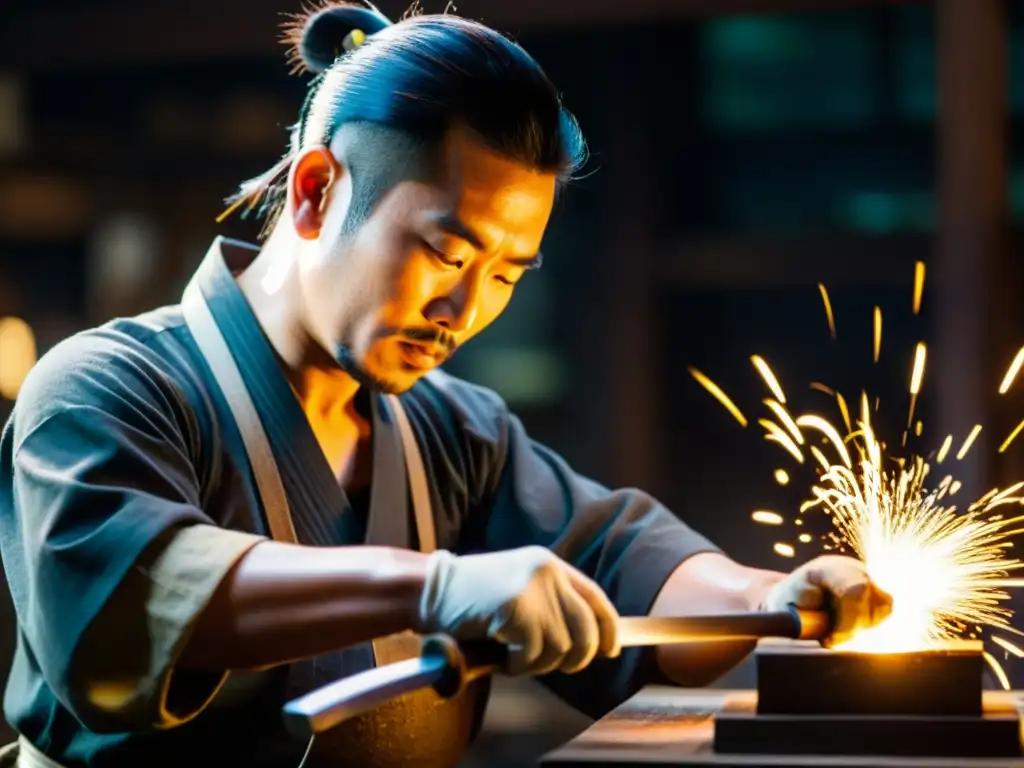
(971, 273)
(622, 370)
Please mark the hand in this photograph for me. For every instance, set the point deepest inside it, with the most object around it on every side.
(550, 615)
(836, 582)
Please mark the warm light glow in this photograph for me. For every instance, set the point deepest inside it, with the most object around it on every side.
(769, 377)
(941, 567)
(946, 444)
(17, 355)
(786, 550)
(918, 285)
(775, 433)
(1011, 372)
(975, 431)
(878, 333)
(828, 309)
(719, 395)
(947, 569)
(1011, 437)
(787, 421)
(766, 517)
(844, 412)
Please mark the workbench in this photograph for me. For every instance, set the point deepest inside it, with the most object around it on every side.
(663, 726)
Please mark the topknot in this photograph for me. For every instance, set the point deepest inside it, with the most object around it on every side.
(318, 36)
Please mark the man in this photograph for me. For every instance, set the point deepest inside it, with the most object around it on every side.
(158, 625)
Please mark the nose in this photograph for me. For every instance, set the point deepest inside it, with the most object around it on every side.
(457, 309)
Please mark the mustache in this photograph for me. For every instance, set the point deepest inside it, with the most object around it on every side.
(432, 336)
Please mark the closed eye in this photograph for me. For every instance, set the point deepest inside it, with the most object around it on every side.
(440, 255)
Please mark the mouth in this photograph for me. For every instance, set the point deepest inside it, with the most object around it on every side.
(419, 356)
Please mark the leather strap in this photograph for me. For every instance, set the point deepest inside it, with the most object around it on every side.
(225, 370)
(218, 356)
(419, 490)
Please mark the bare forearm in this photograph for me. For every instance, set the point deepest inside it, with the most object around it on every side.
(283, 602)
(709, 583)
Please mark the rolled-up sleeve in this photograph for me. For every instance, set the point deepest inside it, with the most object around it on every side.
(172, 581)
(624, 539)
(99, 499)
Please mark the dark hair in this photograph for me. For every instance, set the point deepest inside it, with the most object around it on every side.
(418, 78)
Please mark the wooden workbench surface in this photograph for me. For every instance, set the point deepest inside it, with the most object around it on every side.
(674, 727)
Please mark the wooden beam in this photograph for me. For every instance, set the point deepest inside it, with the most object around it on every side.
(973, 274)
(617, 375)
(47, 39)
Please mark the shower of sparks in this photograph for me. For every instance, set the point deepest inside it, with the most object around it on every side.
(828, 309)
(1012, 436)
(719, 395)
(947, 570)
(944, 449)
(769, 377)
(943, 568)
(915, 380)
(767, 518)
(878, 332)
(1009, 647)
(786, 550)
(968, 442)
(997, 668)
(1011, 372)
(844, 411)
(918, 285)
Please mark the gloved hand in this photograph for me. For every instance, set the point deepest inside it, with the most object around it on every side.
(550, 615)
(839, 583)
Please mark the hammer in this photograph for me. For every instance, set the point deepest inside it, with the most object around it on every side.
(449, 666)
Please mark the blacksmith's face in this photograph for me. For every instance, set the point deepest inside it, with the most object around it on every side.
(432, 265)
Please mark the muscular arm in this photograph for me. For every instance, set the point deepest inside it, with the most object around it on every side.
(709, 583)
(644, 557)
(282, 602)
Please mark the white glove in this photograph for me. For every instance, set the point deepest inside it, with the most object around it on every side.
(550, 615)
(836, 582)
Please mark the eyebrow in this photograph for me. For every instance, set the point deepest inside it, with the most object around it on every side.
(527, 262)
(453, 225)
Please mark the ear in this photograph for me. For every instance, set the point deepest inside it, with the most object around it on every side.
(312, 178)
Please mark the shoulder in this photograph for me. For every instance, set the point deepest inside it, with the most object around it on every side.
(128, 366)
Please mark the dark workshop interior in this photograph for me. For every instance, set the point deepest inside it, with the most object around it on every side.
(743, 151)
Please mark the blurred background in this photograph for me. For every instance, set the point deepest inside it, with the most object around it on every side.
(744, 151)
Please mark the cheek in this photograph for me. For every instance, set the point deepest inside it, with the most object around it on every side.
(413, 284)
(493, 302)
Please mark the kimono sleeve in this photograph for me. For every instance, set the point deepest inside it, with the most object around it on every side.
(96, 477)
(624, 539)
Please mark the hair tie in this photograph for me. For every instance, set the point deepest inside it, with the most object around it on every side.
(353, 40)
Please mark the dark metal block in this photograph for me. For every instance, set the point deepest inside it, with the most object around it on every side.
(800, 680)
(740, 730)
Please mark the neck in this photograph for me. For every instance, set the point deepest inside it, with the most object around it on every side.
(270, 285)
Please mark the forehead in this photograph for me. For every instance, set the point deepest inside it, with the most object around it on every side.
(501, 197)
